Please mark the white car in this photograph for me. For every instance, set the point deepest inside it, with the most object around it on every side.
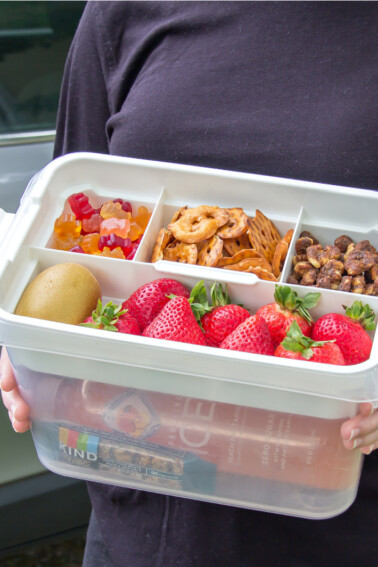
(34, 40)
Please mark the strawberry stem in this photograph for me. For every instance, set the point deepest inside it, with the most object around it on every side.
(296, 341)
(288, 299)
(362, 313)
(105, 317)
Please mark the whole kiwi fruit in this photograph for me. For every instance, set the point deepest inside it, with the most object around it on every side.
(66, 293)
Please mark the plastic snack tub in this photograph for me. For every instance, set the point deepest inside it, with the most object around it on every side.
(223, 426)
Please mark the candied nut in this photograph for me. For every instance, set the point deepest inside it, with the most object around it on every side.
(358, 284)
(292, 279)
(309, 277)
(342, 242)
(346, 283)
(313, 255)
(299, 258)
(349, 250)
(369, 289)
(334, 269)
(365, 245)
(324, 281)
(307, 234)
(319, 256)
(302, 267)
(372, 273)
(358, 261)
(330, 253)
(302, 244)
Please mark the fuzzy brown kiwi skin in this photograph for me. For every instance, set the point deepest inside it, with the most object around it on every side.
(65, 293)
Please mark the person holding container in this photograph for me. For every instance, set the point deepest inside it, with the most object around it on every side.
(274, 88)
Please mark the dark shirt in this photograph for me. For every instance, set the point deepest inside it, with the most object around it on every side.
(277, 88)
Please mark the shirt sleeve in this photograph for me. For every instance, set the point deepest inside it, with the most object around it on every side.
(83, 107)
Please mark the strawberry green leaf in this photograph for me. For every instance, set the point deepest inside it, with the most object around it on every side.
(296, 341)
(105, 317)
(219, 296)
(288, 299)
(362, 313)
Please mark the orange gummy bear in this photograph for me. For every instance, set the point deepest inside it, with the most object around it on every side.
(143, 217)
(139, 223)
(115, 253)
(113, 210)
(135, 230)
(67, 226)
(120, 227)
(65, 243)
(90, 243)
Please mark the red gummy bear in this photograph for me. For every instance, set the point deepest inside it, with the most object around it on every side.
(80, 206)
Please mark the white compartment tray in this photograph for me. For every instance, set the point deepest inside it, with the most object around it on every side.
(175, 367)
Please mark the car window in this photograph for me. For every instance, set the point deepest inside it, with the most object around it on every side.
(34, 42)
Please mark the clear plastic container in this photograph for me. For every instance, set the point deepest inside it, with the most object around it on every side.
(271, 425)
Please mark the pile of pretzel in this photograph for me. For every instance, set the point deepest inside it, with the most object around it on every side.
(224, 238)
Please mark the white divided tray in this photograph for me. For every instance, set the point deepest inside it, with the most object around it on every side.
(271, 425)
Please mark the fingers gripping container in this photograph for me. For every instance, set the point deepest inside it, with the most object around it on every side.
(198, 422)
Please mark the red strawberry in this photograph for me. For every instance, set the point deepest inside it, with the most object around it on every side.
(149, 299)
(348, 331)
(250, 336)
(223, 318)
(176, 322)
(112, 317)
(128, 324)
(299, 347)
(288, 307)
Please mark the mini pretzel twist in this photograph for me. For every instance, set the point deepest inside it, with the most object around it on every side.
(199, 223)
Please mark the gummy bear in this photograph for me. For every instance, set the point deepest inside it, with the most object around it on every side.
(65, 243)
(126, 206)
(66, 226)
(110, 209)
(120, 227)
(143, 217)
(113, 241)
(80, 206)
(115, 253)
(90, 243)
(134, 248)
(78, 249)
(92, 224)
(135, 230)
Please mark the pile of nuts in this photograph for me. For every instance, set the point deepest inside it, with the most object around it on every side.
(345, 266)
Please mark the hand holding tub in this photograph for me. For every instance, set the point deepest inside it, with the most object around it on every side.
(359, 432)
(18, 409)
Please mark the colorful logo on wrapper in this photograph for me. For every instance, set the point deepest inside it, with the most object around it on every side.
(78, 444)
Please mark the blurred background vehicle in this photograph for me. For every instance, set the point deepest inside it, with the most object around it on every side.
(35, 504)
